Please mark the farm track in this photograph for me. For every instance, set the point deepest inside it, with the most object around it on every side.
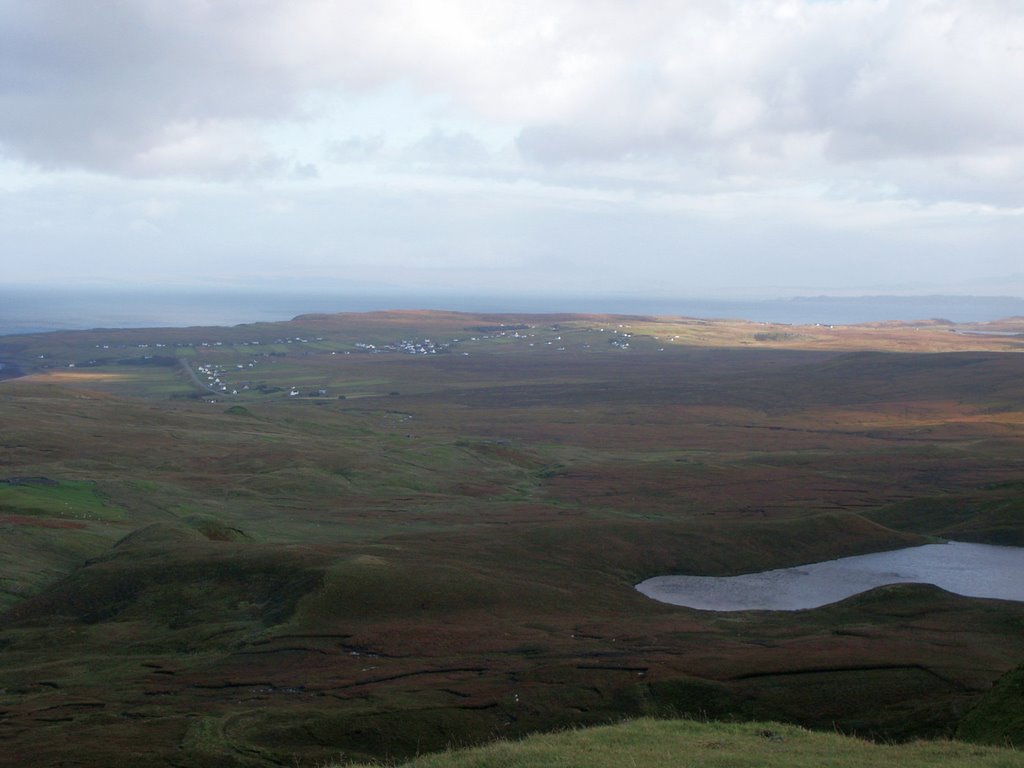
(193, 377)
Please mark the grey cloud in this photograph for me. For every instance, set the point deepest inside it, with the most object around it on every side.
(559, 144)
(100, 85)
(305, 171)
(443, 148)
(355, 149)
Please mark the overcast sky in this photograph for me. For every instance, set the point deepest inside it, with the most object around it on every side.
(717, 148)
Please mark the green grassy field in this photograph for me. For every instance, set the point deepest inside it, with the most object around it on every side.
(425, 548)
(675, 743)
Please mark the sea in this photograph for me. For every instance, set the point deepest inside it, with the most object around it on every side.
(40, 310)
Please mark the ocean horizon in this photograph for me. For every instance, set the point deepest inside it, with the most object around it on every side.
(38, 311)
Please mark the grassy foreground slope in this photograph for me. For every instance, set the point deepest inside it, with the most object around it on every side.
(681, 744)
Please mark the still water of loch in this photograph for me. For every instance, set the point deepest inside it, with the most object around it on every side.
(973, 570)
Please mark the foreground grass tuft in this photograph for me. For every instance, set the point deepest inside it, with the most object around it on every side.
(689, 744)
(999, 717)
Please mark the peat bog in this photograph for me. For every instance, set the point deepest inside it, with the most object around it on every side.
(375, 535)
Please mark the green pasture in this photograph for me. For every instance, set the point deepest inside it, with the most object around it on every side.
(65, 499)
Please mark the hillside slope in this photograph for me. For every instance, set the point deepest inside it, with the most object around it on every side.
(675, 743)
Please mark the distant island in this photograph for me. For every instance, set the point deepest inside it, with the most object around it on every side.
(30, 310)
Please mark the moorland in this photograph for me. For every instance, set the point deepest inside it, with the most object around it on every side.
(372, 536)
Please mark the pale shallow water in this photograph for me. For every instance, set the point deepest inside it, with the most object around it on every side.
(973, 570)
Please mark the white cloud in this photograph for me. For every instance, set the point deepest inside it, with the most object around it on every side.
(459, 149)
(902, 117)
(209, 150)
(112, 86)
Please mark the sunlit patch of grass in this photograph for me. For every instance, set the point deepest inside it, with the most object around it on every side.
(73, 378)
(65, 499)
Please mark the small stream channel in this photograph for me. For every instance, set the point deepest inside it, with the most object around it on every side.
(973, 570)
